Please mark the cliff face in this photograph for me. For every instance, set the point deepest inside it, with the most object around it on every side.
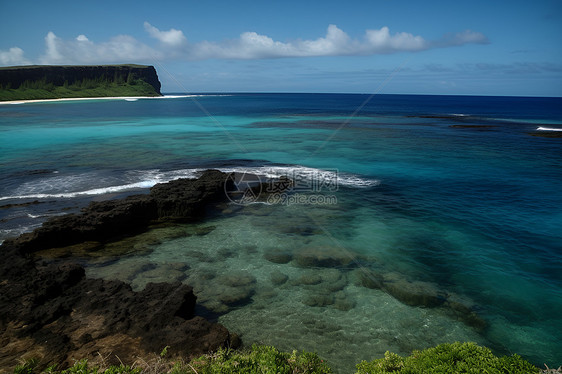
(60, 75)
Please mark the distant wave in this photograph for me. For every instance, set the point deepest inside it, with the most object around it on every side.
(302, 175)
(189, 95)
(95, 191)
(125, 98)
(548, 129)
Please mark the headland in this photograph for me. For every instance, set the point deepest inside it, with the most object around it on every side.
(36, 82)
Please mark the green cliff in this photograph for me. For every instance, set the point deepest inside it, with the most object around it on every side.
(55, 82)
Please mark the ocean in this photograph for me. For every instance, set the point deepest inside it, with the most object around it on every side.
(455, 197)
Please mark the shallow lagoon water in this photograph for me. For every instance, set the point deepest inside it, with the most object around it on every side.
(245, 272)
(467, 205)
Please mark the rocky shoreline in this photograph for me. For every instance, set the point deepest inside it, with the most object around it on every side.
(52, 311)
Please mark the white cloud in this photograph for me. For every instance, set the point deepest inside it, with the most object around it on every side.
(52, 53)
(81, 50)
(172, 37)
(380, 41)
(13, 56)
(249, 45)
(336, 42)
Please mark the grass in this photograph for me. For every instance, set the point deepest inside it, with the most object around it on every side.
(261, 359)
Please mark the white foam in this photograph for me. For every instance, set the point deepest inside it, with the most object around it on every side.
(95, 191)
(328, 178)
(302, 175)
(548, 129)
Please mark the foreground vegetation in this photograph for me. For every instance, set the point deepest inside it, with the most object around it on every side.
(445, 358)
(449, 358)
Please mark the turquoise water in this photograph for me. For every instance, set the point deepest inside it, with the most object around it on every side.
(453, 196)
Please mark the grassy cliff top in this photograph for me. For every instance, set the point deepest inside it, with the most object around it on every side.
(32, 82)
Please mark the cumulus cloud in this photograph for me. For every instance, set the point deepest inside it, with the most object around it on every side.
(171, 37)
(13, 56)
(81, 50)
(173, 44)
(336, 42)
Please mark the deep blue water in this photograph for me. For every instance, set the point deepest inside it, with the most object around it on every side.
(453, 191)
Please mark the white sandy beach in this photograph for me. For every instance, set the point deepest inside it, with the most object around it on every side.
(126, 98)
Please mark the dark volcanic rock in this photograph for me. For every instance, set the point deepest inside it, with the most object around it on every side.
(100, 221)
(182, 199)
(56, 312)
(52, 311)
(185, 198)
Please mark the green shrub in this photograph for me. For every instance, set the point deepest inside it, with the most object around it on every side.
(448, 358)
(258, 360)
(452, 358)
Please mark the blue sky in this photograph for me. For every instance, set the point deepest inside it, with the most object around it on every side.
(410, 47)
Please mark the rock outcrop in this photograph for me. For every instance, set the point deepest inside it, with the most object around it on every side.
(51, 311)
(54, 313)
(182, 199)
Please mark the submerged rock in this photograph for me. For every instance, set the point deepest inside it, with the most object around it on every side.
(369, 279)
(235, 296)
(160, 273)
(414, 293)
(318, 299)
(310, 278)
(343, 302)
(464, 310)
(204, 230)
(237, 279)
(324, 256)
(125, 270)
(278, 278)
(222, 293)
(422, 294)
(278, 256)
